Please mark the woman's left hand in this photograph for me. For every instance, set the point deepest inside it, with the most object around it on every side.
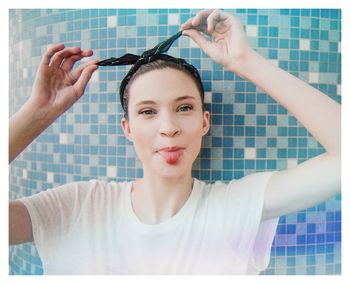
(229, 46)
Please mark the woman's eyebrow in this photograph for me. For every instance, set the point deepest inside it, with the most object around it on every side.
(184, 98)
(148, 102)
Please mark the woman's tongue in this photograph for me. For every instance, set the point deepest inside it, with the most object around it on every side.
(171, 156)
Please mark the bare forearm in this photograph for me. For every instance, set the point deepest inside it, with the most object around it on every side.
(316, 111)
(24, 126)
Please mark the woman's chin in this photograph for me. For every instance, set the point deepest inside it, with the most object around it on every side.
(170, 171)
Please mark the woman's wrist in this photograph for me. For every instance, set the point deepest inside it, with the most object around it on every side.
(246, 63)
(31, 119)
(32, 115)
(24, 127)
(41, 115)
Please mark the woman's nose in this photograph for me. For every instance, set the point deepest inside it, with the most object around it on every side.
(169, 126)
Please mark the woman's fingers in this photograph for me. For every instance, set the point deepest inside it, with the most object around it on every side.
(84, 77)
(69, 62)
(51, 52)
(198, 22)
(198, 38)
(214, 18)
(58, 58)
(201, 17)
(208, 21)
(77, 73)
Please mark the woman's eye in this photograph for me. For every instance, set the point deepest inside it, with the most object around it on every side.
(185, 108)
(147, 112)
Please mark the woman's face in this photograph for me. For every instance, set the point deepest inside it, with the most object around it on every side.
(166, 122)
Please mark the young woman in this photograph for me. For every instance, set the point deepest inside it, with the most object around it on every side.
(167, 222)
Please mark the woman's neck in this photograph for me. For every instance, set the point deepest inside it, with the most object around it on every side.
(156, 199)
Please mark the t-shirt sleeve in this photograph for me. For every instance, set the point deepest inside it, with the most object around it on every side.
(251, 236)
(54, 211)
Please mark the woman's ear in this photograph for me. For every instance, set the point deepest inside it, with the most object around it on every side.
(126, 128)
(206, 122)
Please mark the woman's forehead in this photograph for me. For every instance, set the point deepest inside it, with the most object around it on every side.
(169, 84)
(174, 99)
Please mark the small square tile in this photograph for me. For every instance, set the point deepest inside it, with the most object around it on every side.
(249, 153)
(252, 30)
(111, 21)
(313, 77)
(25, 173)
(304, 44)
(207, 97)
(111, 171)
(173, 19)
(63, 138)
(49, 177)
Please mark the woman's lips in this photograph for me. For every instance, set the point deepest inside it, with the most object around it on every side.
(171, 154)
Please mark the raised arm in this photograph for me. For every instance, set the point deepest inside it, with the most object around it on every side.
(56, 88)
(313, 181)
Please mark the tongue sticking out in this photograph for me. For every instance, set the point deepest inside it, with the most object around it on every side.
(171, 157)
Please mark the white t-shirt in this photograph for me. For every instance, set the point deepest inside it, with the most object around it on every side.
(91, 228)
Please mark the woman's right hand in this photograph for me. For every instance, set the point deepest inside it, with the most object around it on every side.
(57, 86)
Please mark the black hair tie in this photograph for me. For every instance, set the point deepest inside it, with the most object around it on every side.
(146, 57)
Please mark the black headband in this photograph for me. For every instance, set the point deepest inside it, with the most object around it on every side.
(146, 57)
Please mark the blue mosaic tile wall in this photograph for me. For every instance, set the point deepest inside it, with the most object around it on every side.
(250, 131)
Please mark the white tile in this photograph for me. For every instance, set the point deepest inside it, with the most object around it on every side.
(49, 177)
(252, 31)
(249, 153)
(63, 138)
(173, 19)
(208, 97)
(313, 77)
(25, 173)
(305, 44)
(111, 21)
(111, 171)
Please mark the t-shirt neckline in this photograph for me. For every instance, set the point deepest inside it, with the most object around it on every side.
(169, 224)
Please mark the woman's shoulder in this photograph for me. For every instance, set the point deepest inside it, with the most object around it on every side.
(94, 184)
(245, 191)
(248, 181)
(103, 187)
(83, 189)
